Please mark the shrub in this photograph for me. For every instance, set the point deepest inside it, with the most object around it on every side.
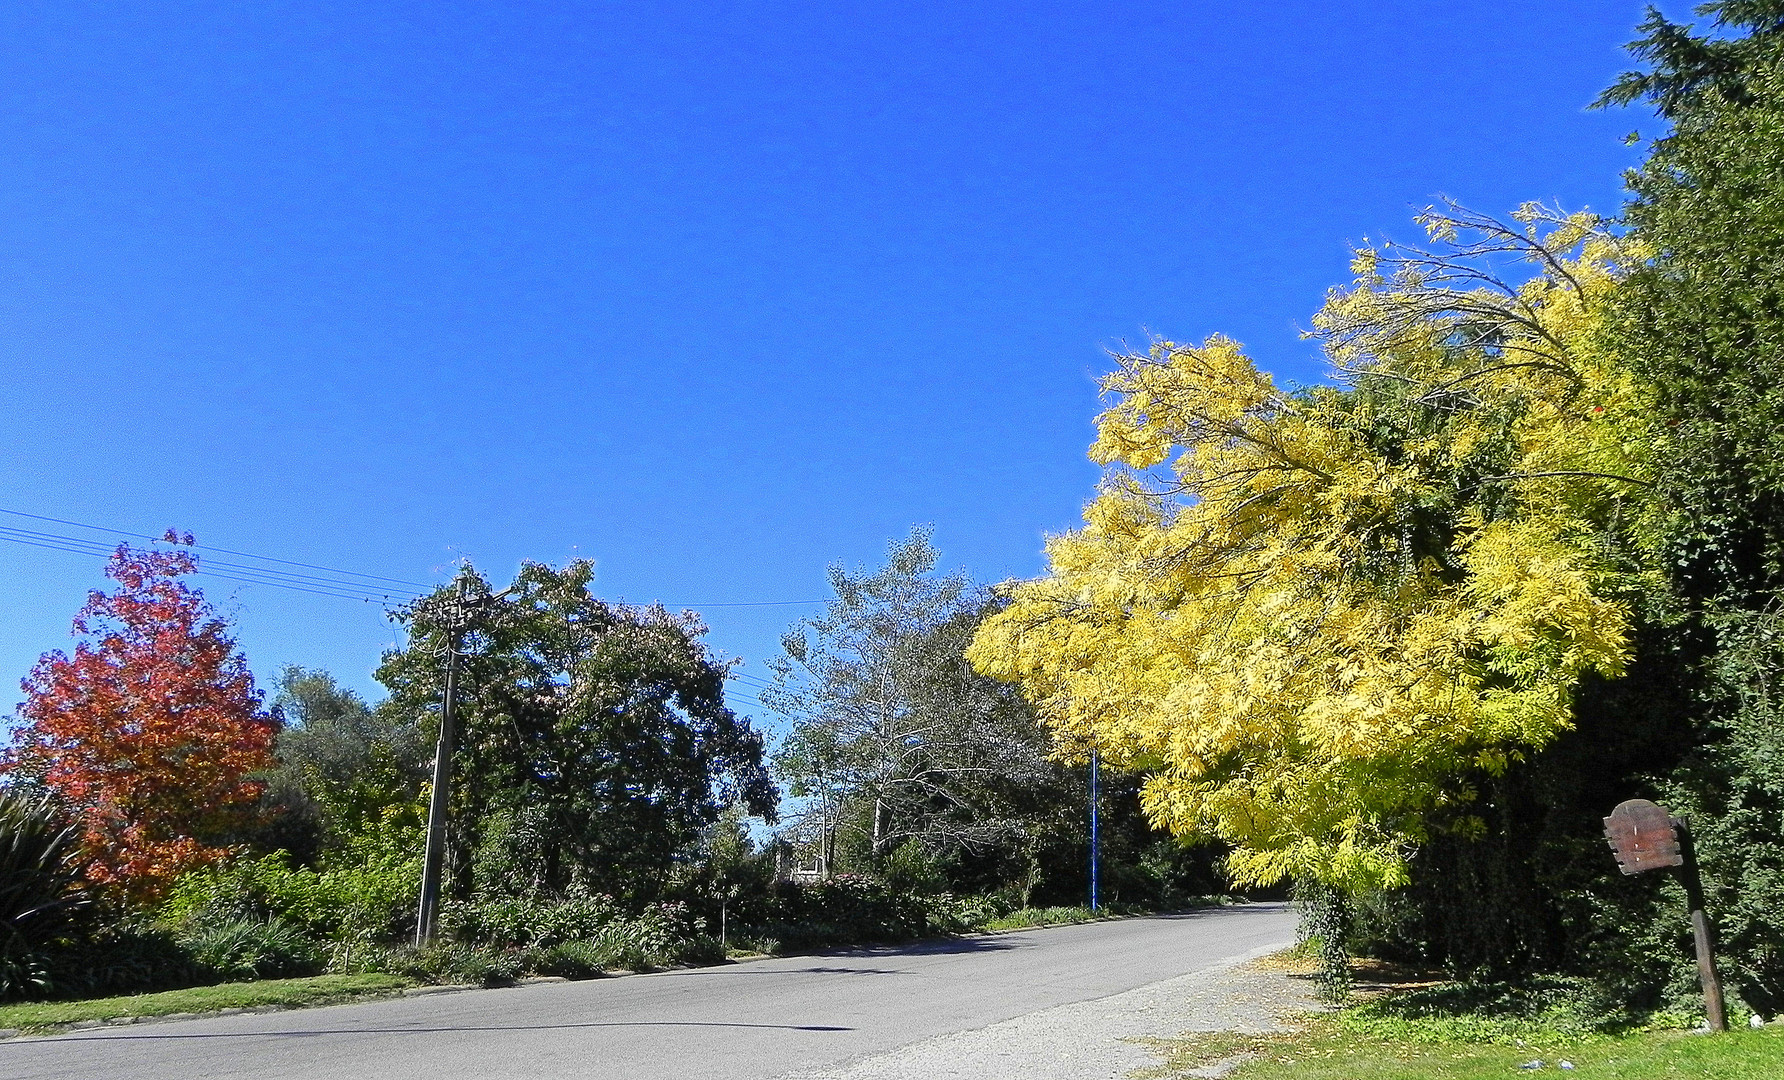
(120, 956)
(242, 949)
(459, 962)
(373, 900)
(40, 890)
(847, 909)
(531, 922)
(571, 959)
(660, 936)
(964, 914)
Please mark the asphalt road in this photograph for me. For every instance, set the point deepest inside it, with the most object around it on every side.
(746, 1021)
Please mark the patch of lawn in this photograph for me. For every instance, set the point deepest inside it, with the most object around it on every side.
(1331, 1049)
(1031, 918)
(1028, 918)
(1407, 1025)
(289, 993)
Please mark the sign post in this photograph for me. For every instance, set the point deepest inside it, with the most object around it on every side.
(1645, 836)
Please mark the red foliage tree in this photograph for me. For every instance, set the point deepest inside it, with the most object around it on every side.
(150, 733)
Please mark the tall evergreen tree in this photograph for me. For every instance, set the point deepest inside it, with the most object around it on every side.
(1703, 324)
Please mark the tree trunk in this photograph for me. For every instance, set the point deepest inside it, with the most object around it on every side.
(880, 828)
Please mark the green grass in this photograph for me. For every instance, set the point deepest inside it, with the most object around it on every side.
(1334, 1049)
(1030, 918)
(1026, 918)
(319, 990)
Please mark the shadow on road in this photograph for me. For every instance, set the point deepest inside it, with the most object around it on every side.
(191, 1036)
(1001, 941)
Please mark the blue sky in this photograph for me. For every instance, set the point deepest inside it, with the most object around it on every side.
(715, 294)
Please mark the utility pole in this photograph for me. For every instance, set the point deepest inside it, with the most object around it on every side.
(431, 862)
(1093, 829)
(427, 917)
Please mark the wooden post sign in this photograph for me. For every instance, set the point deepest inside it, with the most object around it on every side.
(1645, 836)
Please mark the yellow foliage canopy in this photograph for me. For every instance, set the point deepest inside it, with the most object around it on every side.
(1309, 616)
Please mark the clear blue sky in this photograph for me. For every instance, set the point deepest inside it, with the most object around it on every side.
(712, 293)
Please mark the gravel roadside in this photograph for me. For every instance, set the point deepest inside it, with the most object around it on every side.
(1102, 1039)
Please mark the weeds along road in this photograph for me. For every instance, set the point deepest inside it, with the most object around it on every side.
(749, 1021)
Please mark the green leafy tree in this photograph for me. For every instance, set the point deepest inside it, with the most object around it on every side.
(596, 745)
(894, 737)
(1703, 325)
(345, 770)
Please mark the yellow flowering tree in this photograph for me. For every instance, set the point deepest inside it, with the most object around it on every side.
(1310, 615)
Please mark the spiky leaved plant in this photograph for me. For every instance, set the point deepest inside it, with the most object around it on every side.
(41, 890)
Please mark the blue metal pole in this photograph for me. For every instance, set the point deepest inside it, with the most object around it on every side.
(1093, 830)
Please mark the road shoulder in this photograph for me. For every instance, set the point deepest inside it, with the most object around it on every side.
(1103, 1039)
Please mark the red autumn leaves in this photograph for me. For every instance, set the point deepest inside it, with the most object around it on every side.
(150, 734)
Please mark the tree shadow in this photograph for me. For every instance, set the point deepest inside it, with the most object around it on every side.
(175, 1036)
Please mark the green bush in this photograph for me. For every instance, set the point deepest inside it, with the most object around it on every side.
(530, 922)
(848, 909)
(40, 891)
(964, 914)
(372, 900)
(661, 936)
(120, 956)
(572, 960)
(459, 962)
(243, 949)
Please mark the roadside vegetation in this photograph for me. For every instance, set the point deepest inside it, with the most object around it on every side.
(1404, 638)
(608, 814)
(1344, 1049)
(280, 993)
(1408, 1024)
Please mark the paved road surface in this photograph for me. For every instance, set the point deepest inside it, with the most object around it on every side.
(749, 1021)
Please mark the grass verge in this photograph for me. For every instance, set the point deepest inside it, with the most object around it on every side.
(1033, 918)
(1412, 1025)
(1331, 1049)
(1030, 918)
(288, 993)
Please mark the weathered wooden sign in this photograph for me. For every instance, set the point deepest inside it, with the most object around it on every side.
(1644, 836)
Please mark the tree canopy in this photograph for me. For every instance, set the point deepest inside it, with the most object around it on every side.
(596, 745)
(151, 734)
(1701, 325)
(1309, 614)
(892, 733)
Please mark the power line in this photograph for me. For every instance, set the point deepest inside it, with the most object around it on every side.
(230, 571)
(735, 603)
(747, 700)
(756, 603)
(262, 574)
(225, 551)
(364, 589)
(251, 575)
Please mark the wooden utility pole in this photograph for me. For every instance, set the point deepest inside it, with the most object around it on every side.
(427, 918)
